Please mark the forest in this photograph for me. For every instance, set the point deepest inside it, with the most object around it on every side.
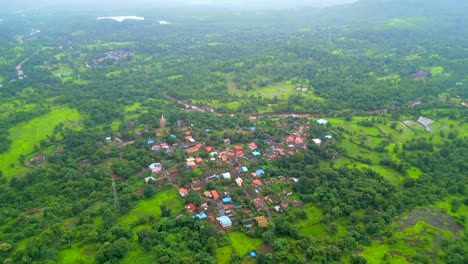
(333, 135)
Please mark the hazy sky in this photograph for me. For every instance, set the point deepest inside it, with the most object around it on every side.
(116, 4)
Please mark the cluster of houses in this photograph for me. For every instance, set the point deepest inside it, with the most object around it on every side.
(112, 55)
(229, 164)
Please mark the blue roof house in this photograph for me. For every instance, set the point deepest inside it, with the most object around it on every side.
(224, 221)
(260, 172)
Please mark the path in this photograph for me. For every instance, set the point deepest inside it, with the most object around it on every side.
(19, 69)
(250, 116)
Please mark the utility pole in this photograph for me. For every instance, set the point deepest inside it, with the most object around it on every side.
(116, 198)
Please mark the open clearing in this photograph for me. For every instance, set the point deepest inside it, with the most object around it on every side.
(169, 197)
(28, 134)
(244, 244)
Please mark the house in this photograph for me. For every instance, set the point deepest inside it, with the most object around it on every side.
(239, 182)
(198, 160)
(164, 145)
(149, 141)
(156, 167)
(244, 169)
(294, 180)
(207, 194)
(299, 141)
(191, 207)
(224, 221)
(215, 194)
(328, 136)
(109, 139)
(189, 139)
(156, 148)
(257, 182)
(227, 200)
(256, 153)
(260, 172)
(252, 145)
(240, 153)
(226, 175)
(238, 148)
(278, 209)
(227, 141)
(322, 121)
(261, 221)
(183, 192)
(200, 216)
(208, 148)
(252, 254)
(317, 141)
(38, 159)
(252, 129)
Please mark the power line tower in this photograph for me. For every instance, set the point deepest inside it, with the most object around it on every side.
(116, 198)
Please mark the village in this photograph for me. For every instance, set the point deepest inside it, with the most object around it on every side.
(226, 184)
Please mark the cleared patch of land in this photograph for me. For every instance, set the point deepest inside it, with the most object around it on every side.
(28, 134)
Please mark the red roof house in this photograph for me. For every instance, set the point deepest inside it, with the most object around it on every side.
(238, 148)
(199, 160)
(208, 148)
(183, 192)
(191, 207)
(215, 194)
(252, 145)
(257, 182)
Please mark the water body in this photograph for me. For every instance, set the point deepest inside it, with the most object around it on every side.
(122, 18)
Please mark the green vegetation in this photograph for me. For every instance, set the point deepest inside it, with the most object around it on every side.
(91, 173)
(27, 135)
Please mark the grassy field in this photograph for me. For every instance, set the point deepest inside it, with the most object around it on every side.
(145, 208)
(312, 226)
(422, 229)
(223, 254)
(244, 244)
(26, 135)
(77, 255)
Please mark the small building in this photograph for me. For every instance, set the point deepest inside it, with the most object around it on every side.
(322, 121)
(189, 139)
(200, 216)
(227, 200)
(252, 128)
(227, 141)
(252, 145)
(183, 192)
(191, 207)
(328, 137)
(156, 167)
(208, 148)
(257, 182)
(256, 153)
(227, 175)
(215, 194)
(260, 172)
(252, 254)
(109, 139)
(238, 148)
(244, 169)
(317, 141)
(261, 221)
(207, 194)
(224, 221)
(239, 181)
